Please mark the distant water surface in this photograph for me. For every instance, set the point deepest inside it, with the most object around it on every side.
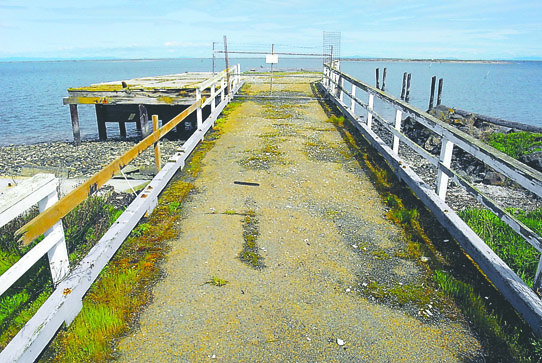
(31, 92)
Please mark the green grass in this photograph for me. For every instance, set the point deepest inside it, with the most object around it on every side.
(83, 227)
(516, 144)
(507, 244)
(250, 254)
(217, 281)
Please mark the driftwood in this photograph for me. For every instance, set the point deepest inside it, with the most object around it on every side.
(499, 121)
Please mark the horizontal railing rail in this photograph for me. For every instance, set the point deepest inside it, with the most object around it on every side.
(66, 300)
(512, 287)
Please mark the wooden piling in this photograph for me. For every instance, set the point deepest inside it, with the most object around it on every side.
(407, 95)
(122, 128)
(432, 94)
(144, 121)
(378, 78)
(439, 97)
(75, 125)
(403, 88)
(100, 118)
(384, 80)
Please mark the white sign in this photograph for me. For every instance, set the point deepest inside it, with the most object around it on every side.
(272, 58)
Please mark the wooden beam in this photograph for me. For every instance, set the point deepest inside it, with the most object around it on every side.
(157, 155)
(50, 216)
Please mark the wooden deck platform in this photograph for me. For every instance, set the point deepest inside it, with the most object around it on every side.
(129, 100)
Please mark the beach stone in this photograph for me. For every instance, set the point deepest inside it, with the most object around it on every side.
(494, 178)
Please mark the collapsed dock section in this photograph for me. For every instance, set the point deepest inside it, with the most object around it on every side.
(133, 100)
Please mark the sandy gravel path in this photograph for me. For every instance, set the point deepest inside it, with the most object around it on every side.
(313, 216)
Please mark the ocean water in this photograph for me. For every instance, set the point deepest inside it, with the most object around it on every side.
(31, 92)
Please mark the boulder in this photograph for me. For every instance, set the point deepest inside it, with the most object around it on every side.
(494, 178)
(432, 144)
(534, 160)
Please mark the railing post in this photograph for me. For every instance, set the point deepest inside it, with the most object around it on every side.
(398, 118)
(370, 110)
(352, 100)
(213, 96)
(58, 255)
(446, 153)
(157, 156)
(537, 284)
(199, 115)
(222, 87)
(238, 73)
(332, 79)
(341, 88)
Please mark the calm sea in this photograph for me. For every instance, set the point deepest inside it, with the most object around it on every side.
(31, 92)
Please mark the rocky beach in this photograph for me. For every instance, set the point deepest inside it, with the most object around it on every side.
(68, 161)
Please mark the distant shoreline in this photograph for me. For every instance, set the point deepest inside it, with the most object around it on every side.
(432, 60)
(349, 59)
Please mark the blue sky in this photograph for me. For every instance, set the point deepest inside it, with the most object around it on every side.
(465, 29)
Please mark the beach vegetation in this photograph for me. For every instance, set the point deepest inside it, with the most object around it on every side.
(517, 143)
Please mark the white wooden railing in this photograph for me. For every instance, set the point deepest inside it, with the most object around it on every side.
(40, 190)
(66, 300)
(526, 301)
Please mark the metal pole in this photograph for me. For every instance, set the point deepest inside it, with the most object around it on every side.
(213, 58)
(227, 64)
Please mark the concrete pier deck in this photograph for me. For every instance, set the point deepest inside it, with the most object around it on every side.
(319, 227)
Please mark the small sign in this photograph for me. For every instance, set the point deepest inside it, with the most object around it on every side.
(272, 58)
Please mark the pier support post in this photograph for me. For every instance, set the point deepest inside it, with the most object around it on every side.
(122, 128)
(378, 78)
(403, 89)
(439, 97)
(432, 94)
(157, 155)
(446, 153)
(144, 121)
(100, 118)
(384, 79)
(75, 125)
(407, 95)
